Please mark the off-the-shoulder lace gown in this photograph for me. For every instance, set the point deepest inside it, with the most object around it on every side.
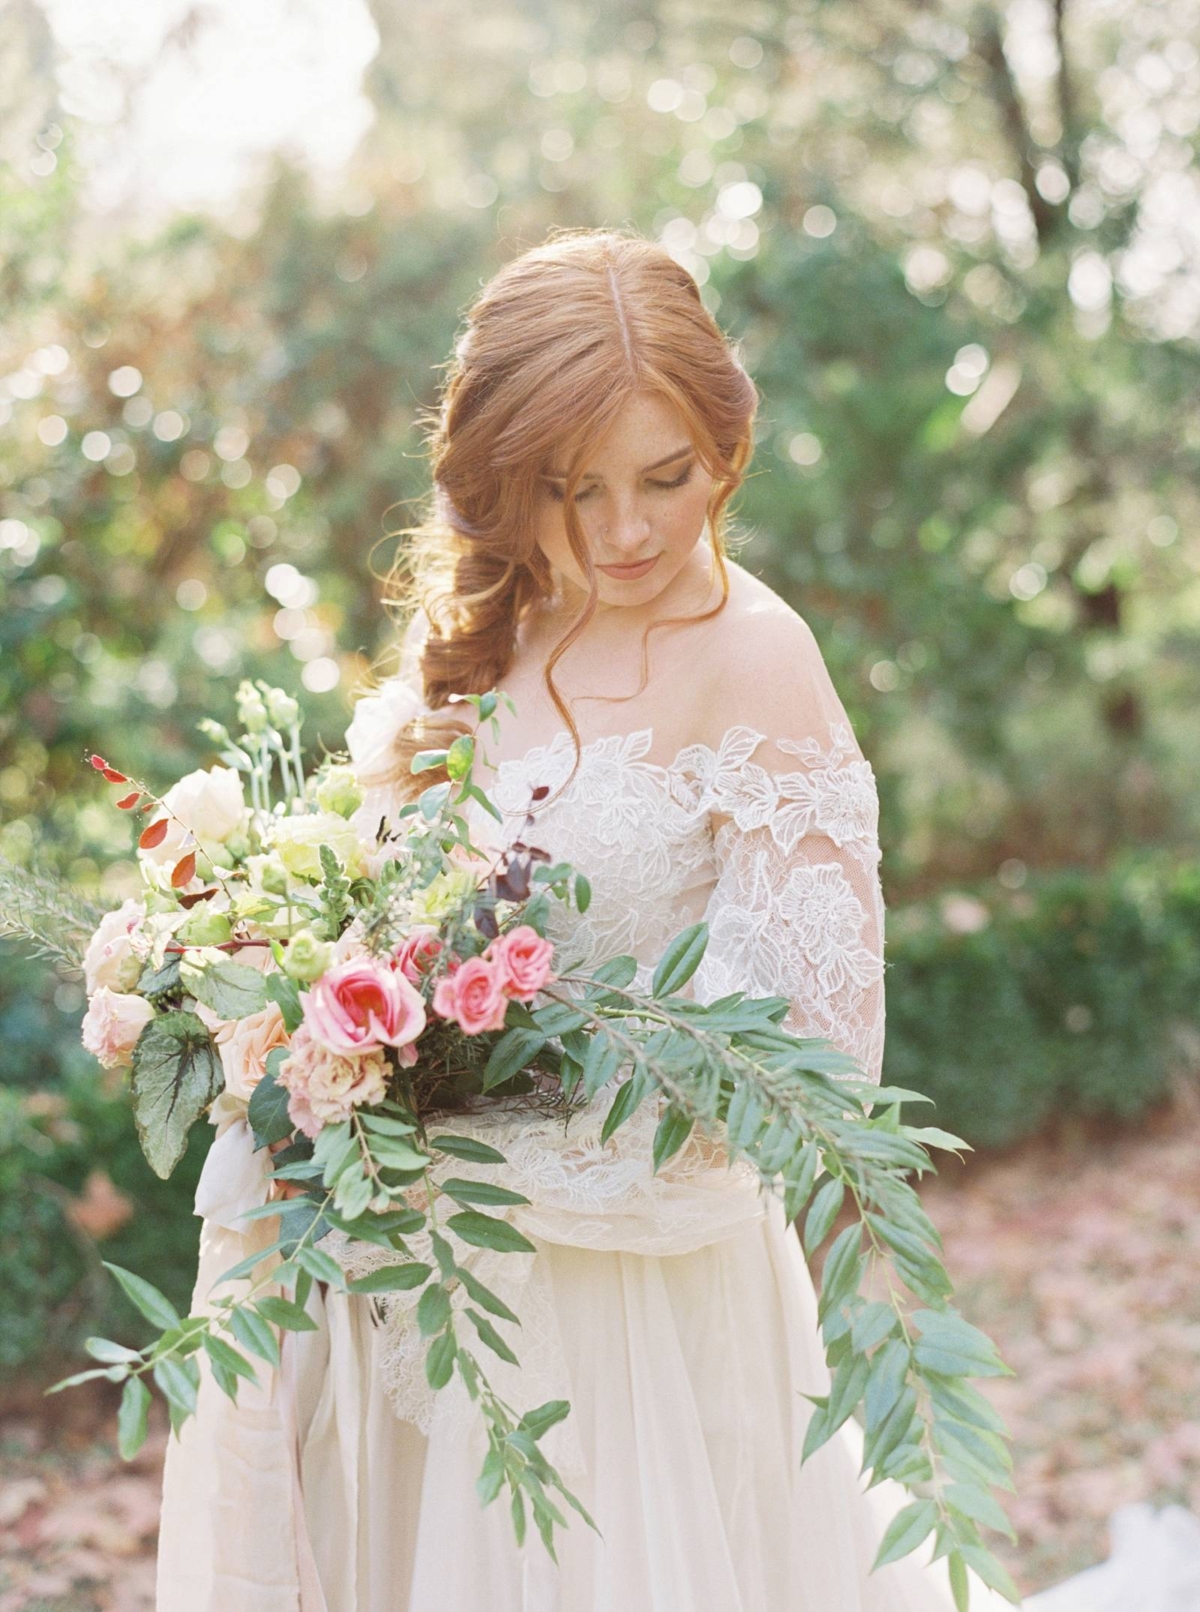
(675, 1312)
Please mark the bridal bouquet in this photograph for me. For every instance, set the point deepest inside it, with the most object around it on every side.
(355, 998)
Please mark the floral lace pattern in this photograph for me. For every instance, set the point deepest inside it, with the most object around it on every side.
(782, 863)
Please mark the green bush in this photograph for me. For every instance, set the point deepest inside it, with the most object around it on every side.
(1080, 995)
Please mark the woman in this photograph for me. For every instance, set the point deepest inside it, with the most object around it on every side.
(700, 763)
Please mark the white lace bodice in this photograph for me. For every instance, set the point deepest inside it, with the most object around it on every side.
(771, 836)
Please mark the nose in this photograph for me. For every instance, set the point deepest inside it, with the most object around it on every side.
(625, 537)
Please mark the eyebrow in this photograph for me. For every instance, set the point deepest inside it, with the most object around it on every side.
(557, 475)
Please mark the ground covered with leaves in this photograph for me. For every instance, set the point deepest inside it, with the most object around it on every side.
(1077, 1254)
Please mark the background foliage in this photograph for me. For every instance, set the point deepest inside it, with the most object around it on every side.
(954, 242)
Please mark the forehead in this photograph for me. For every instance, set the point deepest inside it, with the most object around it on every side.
(646, 429)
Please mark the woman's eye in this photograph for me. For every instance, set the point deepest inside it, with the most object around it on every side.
(559, 496)
(679, 481)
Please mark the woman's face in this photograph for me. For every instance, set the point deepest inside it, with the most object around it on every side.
(643, 498)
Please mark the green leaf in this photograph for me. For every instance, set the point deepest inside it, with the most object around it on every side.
(955, 1348)
(131, 1418)
(819, 1429)
(846, 1389)
(889, 1370)
(540, 1421)
(905, 1532)
(230, 989)
(393, 1278)
(285, 1314)
(959, 1584)
(485, 1297)
(386, 1125)
(674, 1128)
(322, 1265)
(255, 1334)
(433, 1310)
(630, 1095)
(511, 1053)
(176, 1075)
(680, 960)
(744, 1117)
(559, 1018)
(873, 1323)
(467, 1149)
(485, 1231)
(155, 1306)
(399, 1154)
(990, 1571)
(227, 1357)
(821, 1216)
(601, 1063)
(267, 1111)
(491, 1476)
(439, 1360)
(491, 1337)
(485, 1192)
(583, 893)
(179, 1381)
(285, 991)
(617, 971)
(980, 1505)
(843, 1266)
(114, 1374)
(112, 1354)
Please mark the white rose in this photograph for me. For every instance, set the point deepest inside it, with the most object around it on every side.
(112, 1025)
(295, 841)
(209, 803)
(110, 958)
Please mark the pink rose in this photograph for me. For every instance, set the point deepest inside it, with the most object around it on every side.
(112, 1025)
(362, 1002)
(472, 996)
(244, 1045)
(323, 1086)
(416, 953)
(523, 959)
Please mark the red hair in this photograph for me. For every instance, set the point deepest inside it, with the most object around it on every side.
(552, 349)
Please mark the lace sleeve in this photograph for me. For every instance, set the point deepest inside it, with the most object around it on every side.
(797, 908)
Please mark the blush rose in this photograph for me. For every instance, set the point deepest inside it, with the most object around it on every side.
(522, 958)
(361, 1004)
(472, 996)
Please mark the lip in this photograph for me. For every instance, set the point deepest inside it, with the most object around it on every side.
(628, 573)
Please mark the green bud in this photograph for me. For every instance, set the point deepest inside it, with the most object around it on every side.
(282, 708)
(238, 845)
(206, 929)
(269, 873)
(338, 791)
(252, 713)
(307, 958)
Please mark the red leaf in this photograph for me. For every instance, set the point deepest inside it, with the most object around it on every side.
(197, 895)
(115, 777)
(130, 801)
(99, 763)
(184, 869)
(154, 835)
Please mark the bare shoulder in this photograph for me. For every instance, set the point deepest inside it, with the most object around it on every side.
(764, 664)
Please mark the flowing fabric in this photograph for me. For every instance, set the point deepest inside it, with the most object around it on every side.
(675, 1311)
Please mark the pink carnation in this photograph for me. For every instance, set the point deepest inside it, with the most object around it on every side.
(522, 958)
(359, 1004)
(472, 996)
(416, 952)
(324, 1086)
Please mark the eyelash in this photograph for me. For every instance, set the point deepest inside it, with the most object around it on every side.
(666, 486)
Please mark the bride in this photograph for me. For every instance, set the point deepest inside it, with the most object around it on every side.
(699, 764)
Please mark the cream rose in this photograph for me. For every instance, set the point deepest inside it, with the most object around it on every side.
(244, 1045)
(209, 803)
(110, 958)
(296, 841)
(112, 1024)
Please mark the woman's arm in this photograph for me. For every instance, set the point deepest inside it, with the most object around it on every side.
(797, 909)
